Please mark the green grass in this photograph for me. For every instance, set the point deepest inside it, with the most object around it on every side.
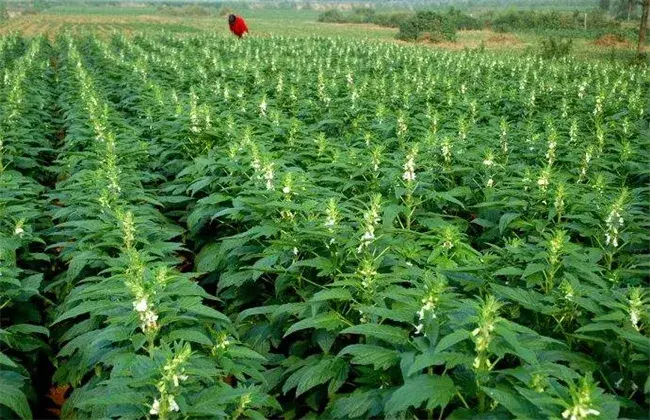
(101, 10)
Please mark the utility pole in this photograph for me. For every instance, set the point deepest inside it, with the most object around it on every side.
(643, 26)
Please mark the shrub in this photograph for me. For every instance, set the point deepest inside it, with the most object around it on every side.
(462, 20)
(555, 48)
(431, 25)
(365, 15)
(330, 16)
(391, 20)
(553, 21)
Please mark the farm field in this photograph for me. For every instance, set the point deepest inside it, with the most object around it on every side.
(319, 227)
(105, 21)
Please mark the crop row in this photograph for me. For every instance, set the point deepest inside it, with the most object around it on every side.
(389, 231)
(541, 165)
(126, 315)
(25, 91)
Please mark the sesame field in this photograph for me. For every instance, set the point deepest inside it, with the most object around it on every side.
(199, 226)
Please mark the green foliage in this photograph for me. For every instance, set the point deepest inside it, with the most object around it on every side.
(345, 229)
(463, 21)
(555, 48)
(431, 26)
(4, 14)
(331, 16)
(365, 15)
(554, 22)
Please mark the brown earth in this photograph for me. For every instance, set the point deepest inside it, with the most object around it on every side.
(611, 40)
(503, 39)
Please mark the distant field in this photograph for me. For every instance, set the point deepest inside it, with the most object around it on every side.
(272, 22)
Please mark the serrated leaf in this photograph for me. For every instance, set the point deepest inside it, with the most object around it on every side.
(516, 404)
(329, 321)
(192, 336)
(331, 294)
(357, 404)
(449, 359)
(509, 271)
(366, 354)
(533, 268)
(438, 390)
(387, 333)
(506, 219)
(451, 339)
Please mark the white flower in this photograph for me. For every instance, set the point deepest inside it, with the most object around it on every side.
(179, 378)
(140, 305)
(155, 407)
(286, 190)
(488, 162)
(490, 183)
(419, 328)
(268, 176)
(579, 412)
(330, 222)
(542, 182)
(634, 318)
(172, 404)
(148, 320)
(409, 170)
(19, 231)
(223, 343)
(368, 236)
(295, 251)
(408, 176)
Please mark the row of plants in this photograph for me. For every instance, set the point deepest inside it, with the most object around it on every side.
(485, 201)
(384, 231)
(136, 336)
(25, 93)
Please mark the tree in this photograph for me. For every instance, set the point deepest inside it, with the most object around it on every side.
(4, 15)
(604, 5)
(643, 26)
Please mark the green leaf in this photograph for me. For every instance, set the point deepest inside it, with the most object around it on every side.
(509, 271)
(207, 312)
(516, 404)
(387, 333)
(366, 354)
(511, 338)
(438, 390)
(83, 308)
(329, 321)
(506, 219)
(5, 360)
(316, 374)
(529, 299)
(356, 404)
(451, 339)
(192, 336)
(239, 352)
(15, 399)
(533, 268)
(331, 294)
(449, 359)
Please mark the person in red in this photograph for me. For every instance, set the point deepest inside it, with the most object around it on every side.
(237, 25)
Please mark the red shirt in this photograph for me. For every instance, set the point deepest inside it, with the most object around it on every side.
(238, 27)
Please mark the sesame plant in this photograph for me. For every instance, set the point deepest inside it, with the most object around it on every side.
(25, 88)
(323, 228)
